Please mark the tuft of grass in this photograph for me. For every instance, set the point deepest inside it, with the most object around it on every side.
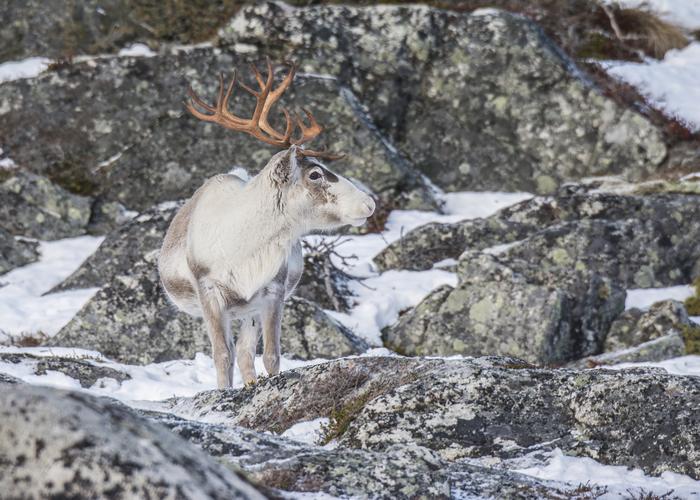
(692, 304)
(643, 494)
(341, 417)
(644, 30)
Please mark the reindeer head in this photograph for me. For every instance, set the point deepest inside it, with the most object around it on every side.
(303, 188)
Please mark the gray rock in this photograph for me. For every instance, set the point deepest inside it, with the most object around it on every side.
(477, 101)
(662, 348)
(69, 444)
(153, 151)
(666, 217)
(123, 248)
(635, 326)
(510, 307)
(30, 205)
(130, 320)
(309, 333)
(86, 371)
(499, 407)
(16, 252)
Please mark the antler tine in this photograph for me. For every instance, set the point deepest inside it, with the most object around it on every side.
(307, 133)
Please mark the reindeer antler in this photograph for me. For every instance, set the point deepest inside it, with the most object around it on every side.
(258, 125)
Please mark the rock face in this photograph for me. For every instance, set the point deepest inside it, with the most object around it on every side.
(15, 252)
(478, 101)
(30, 205)
(499, 407)
(552, 293)
(73, 444)
(130, 154)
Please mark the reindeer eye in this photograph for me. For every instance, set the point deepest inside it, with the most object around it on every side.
(314, 176)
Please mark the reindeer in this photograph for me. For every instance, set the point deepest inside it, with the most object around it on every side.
(233, 250)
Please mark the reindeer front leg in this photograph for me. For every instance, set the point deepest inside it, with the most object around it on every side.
(272, 329)
(216, 320)
(245, 348)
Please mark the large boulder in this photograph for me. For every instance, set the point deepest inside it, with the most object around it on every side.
(69, 444)
(478, 101)
(511, 307)
(30, 205)
(16, 252)
(153, 151)
(499, 407)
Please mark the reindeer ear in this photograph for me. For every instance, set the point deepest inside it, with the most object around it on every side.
(283, 166)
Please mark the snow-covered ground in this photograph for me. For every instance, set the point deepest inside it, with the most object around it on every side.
(670, 84)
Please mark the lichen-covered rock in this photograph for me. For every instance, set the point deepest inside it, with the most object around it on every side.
(662, 348)
(86, 371)
(510, 307)
(130, 320)
(153, 151)
(68, 444)
(398, 472)
(665, 217)
(16, 252)
(123, 248)
(478, 407)
(634, 326)
(478, 101)
(309, 333)
(30, 205)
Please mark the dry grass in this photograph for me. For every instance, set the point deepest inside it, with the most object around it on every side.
(642, 29)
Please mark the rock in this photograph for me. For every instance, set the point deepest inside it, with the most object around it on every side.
(509, 307)
(123, 248)
(152, 151)
(478, 101)
(309, 333)
(61, 29)
(30, 205)
(9, 379)
(85, 371)
(500, 407)
(131, 321)
(71, 444)
(662, 348)
(402, 471)
(664, 215)
(635, 327)
(16, 252)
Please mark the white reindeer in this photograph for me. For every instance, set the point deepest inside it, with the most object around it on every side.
(233, 250)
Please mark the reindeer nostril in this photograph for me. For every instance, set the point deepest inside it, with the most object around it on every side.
(369, 204)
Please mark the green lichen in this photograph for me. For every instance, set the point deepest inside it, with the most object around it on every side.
(692, 304)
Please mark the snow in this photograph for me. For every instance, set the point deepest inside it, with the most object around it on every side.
(684, 365)
(670, 84)
(23, 309)
(471, 205)
(28, 68)
(643, 298)
(683, 13)
(137, 50)
(308, 432)
(620, 481)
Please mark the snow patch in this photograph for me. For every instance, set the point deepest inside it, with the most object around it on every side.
(643, 298)
(621, 482)
(23, 309)
(18, 70)
(308, 432)
(670, 84)
(137, 50)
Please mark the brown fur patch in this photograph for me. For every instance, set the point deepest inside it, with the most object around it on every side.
(178, 287)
